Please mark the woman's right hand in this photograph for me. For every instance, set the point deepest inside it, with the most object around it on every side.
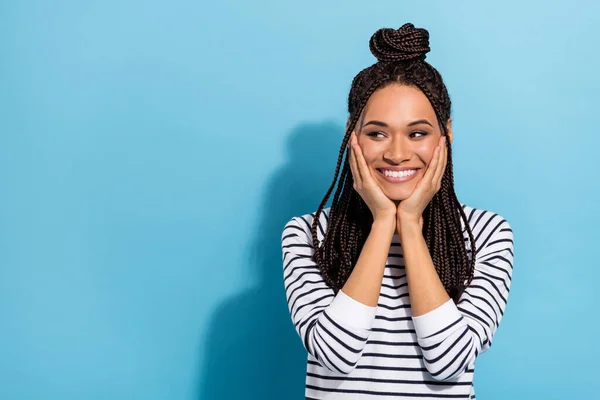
(380, 205)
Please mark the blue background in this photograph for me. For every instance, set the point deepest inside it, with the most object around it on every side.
(150, 153)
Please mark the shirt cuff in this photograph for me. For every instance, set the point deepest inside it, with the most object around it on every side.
(436, 320)
(351, 313)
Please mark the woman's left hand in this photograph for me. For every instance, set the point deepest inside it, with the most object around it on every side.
(411, 209)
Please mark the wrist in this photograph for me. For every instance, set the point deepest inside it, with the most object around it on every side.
(384, 216)
(409, 225)
(384, 223)
(409, 219)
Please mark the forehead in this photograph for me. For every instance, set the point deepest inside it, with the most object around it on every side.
(398, 104)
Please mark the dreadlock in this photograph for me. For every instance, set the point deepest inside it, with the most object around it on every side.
(401, 59)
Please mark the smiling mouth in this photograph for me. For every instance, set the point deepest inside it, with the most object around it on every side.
(398, 176)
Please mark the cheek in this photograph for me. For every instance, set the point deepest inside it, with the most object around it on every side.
(370, 153)
(426, 150)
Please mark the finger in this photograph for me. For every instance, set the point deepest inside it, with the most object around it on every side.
(357, 158)
(430, 172)
(362, 164)
(441, 166)
(352, 162)
(354, 168)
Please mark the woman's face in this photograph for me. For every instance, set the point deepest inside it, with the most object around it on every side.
(398, 133)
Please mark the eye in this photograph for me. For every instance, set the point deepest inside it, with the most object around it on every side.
(412, 135)
(375, 134)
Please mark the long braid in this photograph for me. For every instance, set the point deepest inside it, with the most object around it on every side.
(401, 59)
(345, 233)
(447, 243)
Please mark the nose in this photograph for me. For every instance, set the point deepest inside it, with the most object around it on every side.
(397, 152)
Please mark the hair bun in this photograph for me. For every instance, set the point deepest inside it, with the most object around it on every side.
(406, 43)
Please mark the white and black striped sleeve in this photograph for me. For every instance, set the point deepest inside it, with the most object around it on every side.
(333, 328)
(453, 335)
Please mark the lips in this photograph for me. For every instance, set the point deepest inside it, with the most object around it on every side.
(398, 175)
(397, 169)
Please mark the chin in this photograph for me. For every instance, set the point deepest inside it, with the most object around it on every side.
(398, 199)
(399, 191)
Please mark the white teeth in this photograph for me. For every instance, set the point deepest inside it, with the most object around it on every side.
(399, 174)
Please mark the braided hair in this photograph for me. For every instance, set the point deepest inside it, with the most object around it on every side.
(401, 59)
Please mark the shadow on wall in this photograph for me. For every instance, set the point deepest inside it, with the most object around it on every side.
(252, 350)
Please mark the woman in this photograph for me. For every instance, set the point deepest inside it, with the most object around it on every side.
(397, 287)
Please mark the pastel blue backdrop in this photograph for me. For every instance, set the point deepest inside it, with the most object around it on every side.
(150, 153)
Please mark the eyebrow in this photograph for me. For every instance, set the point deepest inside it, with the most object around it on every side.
(378, 123)
(383, 124)
(420, 121)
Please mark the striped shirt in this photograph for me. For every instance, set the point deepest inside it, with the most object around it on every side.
(360, 352)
